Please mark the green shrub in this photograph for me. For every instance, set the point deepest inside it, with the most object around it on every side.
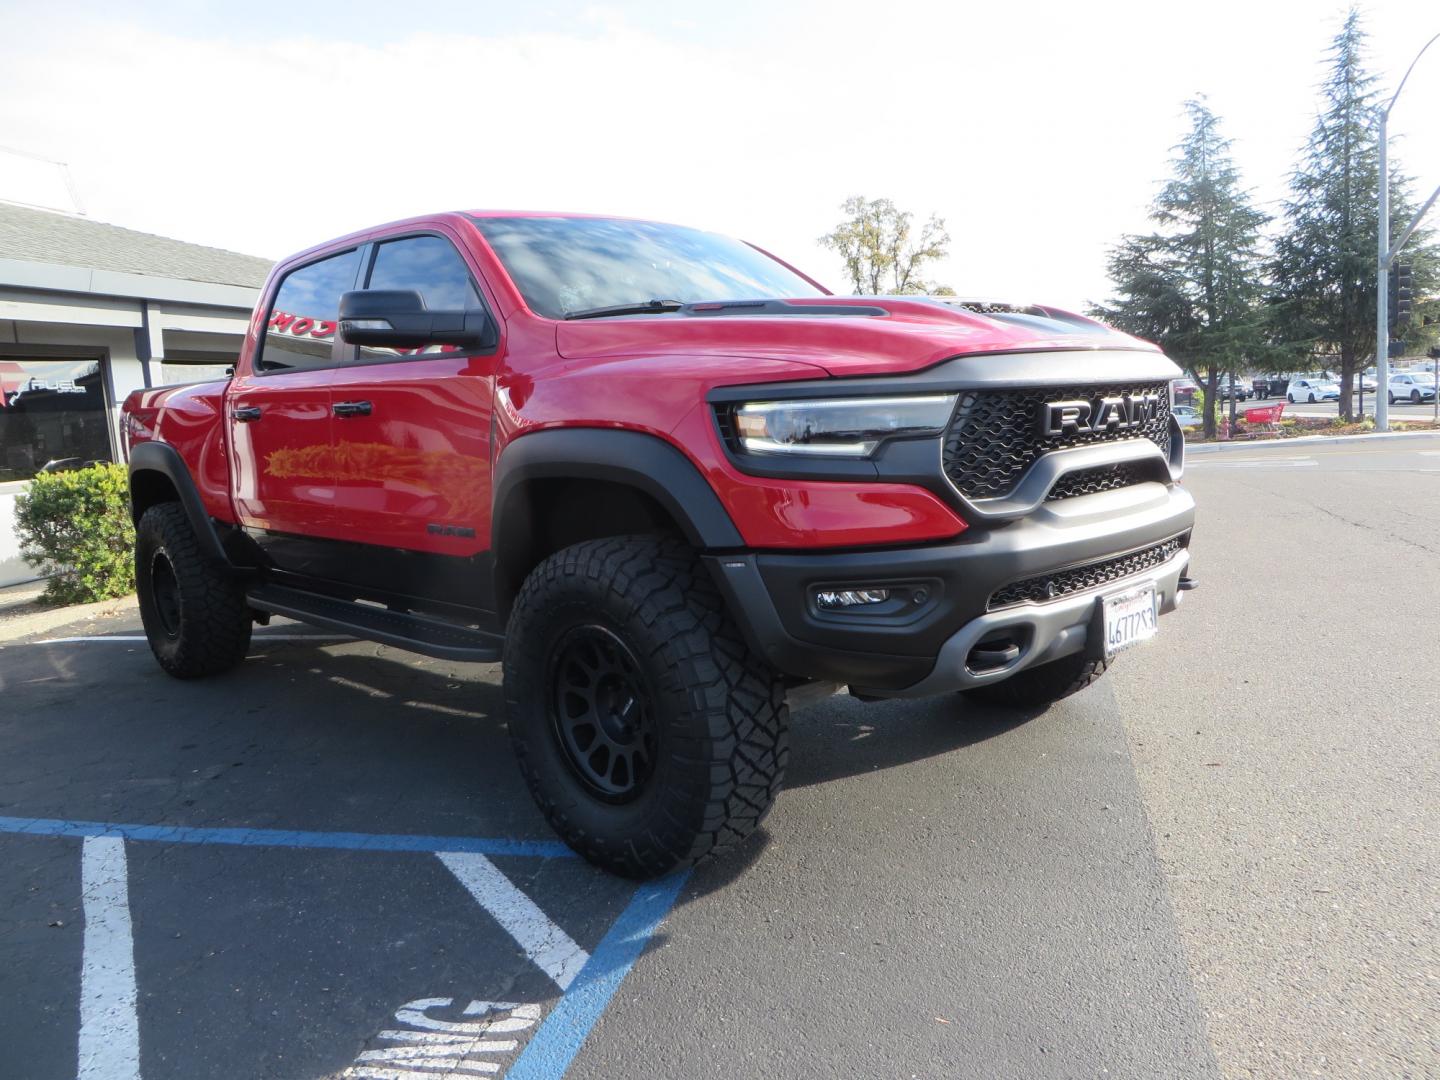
(75, 529)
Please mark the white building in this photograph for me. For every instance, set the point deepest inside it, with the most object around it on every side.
(88, 313)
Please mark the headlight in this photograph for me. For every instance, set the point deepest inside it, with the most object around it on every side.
(838, 427)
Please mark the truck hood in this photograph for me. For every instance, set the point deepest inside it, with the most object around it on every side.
(843, 335)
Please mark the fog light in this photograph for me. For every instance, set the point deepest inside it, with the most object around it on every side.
(840, 599)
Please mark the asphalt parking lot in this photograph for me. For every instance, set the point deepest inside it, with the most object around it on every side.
(1401, 410)
(1220, 860)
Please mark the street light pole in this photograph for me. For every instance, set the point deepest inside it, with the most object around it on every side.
(1382, 286)
(1386, 256)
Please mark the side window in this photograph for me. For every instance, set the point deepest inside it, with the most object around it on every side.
(431, 266)
(300, 331)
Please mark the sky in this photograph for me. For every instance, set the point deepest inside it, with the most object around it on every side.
(1039, 131)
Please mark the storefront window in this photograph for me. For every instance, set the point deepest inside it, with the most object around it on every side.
(52, 416)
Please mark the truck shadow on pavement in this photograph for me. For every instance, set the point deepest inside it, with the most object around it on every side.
(361, 738)
(842, 737)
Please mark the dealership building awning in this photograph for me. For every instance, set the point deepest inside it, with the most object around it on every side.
(88, 313)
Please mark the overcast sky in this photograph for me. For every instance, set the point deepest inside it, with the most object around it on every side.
(1039, 131)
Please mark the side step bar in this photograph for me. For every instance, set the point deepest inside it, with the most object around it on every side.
(430, 637)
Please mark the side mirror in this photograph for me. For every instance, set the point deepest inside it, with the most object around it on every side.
(398, 319)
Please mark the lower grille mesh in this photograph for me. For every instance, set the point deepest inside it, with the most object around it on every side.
(1061, 583)
(1090, 481)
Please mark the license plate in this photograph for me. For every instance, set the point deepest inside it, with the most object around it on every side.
(1130, 618)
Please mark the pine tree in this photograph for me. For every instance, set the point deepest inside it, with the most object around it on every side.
(1323, 310)
(1193, 286)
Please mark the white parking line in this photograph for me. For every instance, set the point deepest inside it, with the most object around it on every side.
(132, 638)
(109, 1027)
(553, 950)
(1257, 463)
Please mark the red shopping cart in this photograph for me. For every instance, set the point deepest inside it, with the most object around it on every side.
(1266, 416)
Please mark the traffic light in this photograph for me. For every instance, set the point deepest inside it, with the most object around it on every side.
(1402, 293)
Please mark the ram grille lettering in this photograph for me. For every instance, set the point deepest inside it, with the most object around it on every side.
(1106, 414)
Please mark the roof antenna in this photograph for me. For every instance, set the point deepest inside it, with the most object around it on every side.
(70, 186)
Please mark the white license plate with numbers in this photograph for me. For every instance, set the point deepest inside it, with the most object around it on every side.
(1130, 618)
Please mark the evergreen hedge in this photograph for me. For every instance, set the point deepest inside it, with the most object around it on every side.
(75, 528)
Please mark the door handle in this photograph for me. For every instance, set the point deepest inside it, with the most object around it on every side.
(247, 414)
(351, 408)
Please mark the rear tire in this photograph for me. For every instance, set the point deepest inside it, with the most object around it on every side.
(195, 614)
(648, 733)
(1042, 685)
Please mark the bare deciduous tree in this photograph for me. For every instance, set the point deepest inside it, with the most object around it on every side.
(882, 251)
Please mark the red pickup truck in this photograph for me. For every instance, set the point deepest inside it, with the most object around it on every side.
(669, 481)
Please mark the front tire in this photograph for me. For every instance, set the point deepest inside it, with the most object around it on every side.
(1042, 685)
(1290, 398)
(648, 733)
(1392, 399)
(1414, 397)
(195, 615)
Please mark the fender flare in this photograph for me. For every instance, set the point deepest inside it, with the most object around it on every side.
(164, 459)
(645, 462)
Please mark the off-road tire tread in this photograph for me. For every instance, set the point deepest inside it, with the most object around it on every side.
(1042, 685)
(737, 700)
(215, 621)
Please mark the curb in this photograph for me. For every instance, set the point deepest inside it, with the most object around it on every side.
(14, 626)
(1304, 440)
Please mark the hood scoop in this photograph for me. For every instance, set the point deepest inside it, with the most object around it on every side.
(990, 307)
(780, 307)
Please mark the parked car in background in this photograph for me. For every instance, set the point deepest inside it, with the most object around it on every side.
(1414, 386)
(1182, 392)
(1268, 386)
(1186, 415)
(1312, 390)
(1240, 391)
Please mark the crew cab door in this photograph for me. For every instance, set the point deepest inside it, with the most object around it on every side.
(278, 412)
(411, 430)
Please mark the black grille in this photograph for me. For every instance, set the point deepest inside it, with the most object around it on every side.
(1089, 481)
(995, 436)
(1062, 583)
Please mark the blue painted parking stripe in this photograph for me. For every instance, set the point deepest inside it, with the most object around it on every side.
(554, 1046)
(564, 1031)
(350, 841)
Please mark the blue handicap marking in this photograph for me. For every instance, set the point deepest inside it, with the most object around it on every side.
(587, 980)
(564, 1031)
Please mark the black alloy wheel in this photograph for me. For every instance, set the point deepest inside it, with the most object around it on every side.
(165, 594)
(602, 713)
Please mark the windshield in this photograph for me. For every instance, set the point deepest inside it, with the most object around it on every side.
(564, 265)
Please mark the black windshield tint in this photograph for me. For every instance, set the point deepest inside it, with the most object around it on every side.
(563, 265)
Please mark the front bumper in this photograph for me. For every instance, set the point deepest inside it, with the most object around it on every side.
(928, 646)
